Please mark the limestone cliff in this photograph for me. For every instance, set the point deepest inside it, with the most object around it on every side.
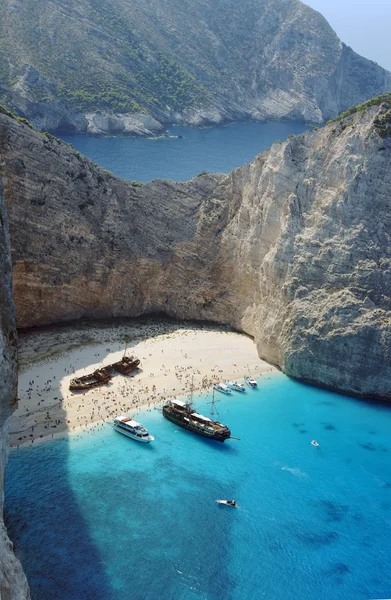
(63, 63)
(293, 248)
(13, 584)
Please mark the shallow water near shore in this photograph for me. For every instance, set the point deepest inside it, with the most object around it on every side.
(213, 149)
(98, 516)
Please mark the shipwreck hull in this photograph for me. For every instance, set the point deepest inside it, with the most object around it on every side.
(102, 376)
(89, 381)
(125, 366)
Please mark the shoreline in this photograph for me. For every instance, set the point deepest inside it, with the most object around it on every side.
(171, 354)
(166, 133)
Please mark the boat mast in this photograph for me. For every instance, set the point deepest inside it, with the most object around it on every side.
(213, 409)
(126, 346)
(191, 391)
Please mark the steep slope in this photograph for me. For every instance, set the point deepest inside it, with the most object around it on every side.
(13, 584)
(198, 61)
(293, 248)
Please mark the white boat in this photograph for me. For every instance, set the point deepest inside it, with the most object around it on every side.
(234, 385)
(221, 387)
(231, 503)
(315, 443)
(125, 425)
(251, 382)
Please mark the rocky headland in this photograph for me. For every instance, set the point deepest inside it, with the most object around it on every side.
(293, 248)
(134, 67)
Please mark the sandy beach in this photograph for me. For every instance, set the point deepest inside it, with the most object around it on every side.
(171, 356)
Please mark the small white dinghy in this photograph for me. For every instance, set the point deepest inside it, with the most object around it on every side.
(231, 503)
(251, 382)
(315, 443)
(235, 385)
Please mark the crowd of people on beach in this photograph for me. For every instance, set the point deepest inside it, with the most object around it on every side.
(52, 409)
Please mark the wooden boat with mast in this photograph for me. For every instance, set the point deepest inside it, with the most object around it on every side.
(184, 415)
(125, 365)
(105, 374)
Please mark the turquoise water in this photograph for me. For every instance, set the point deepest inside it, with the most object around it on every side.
(215, 149)
(101, 517)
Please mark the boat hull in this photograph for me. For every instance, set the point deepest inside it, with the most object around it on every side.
(215, 436)
(251, 384)
(134, 437)
(87, 382)
(222, 391)
(225, 503)
(236, 388)
(125, 367)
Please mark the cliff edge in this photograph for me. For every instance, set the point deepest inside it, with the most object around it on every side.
(293, 248)
(13, 584)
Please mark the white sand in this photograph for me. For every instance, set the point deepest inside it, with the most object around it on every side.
(169, 361)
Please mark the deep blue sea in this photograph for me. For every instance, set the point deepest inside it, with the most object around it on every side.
(101, 517)
(214, 149)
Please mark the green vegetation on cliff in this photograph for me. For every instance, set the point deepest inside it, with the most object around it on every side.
(383, 121)
(166, 86)
(204, 60)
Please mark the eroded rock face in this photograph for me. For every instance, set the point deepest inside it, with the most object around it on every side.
(133, 124)
(293, 248)
(13, 584)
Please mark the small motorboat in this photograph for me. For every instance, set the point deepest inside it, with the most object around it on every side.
(231, 503)
(251, 382)
(221, 387)
(315, 443)
(234, 385)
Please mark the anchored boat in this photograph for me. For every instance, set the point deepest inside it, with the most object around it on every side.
(183, 414)
(251, 382)
(234, 385)
(221, 387)
(125, 425)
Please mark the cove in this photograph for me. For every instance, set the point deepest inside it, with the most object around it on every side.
(214, 149)
(98, 516)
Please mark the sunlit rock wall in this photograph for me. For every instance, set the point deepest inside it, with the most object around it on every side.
(293, 248)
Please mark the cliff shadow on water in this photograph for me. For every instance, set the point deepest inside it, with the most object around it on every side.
(44, 519)
(51, 536)
(63, 503)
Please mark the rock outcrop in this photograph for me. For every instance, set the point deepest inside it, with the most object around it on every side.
(293, 249)
(13, 584)
(199, 62)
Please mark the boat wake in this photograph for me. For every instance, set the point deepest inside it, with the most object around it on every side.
(295, 472)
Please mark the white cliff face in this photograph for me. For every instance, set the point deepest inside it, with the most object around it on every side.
(314, 227)
(293, 248)
(133, 124)
(13, 584)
